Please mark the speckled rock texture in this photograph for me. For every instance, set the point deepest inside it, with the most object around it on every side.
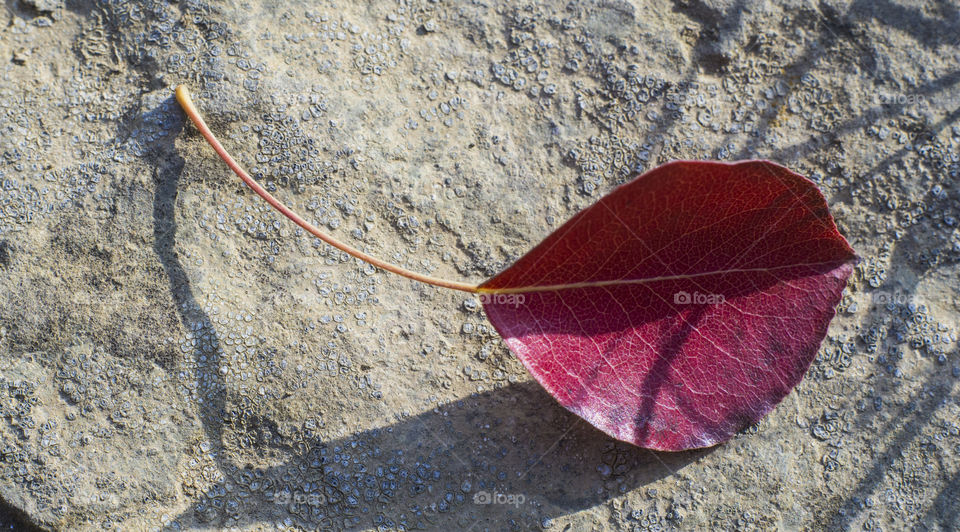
(176, 356)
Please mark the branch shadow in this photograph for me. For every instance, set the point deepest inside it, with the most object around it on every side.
(709, 49)
(930, 32)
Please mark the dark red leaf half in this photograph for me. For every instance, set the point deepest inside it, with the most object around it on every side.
(681, 307)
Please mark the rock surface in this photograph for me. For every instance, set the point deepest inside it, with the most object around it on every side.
(174, 355)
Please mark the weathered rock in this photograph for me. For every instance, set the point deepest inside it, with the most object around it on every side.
(173, 354)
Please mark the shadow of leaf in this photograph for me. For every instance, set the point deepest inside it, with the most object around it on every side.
(507, 454)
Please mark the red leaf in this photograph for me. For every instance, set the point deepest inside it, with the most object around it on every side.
(683, 306)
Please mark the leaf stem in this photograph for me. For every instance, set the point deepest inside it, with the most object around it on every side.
(183, 97)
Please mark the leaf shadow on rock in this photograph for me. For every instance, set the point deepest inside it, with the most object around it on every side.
(515, 441)
(448, 468)
(13, 518)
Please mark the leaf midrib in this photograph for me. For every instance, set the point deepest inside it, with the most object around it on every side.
(615, 282)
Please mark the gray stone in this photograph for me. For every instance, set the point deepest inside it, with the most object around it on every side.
(174, 354)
